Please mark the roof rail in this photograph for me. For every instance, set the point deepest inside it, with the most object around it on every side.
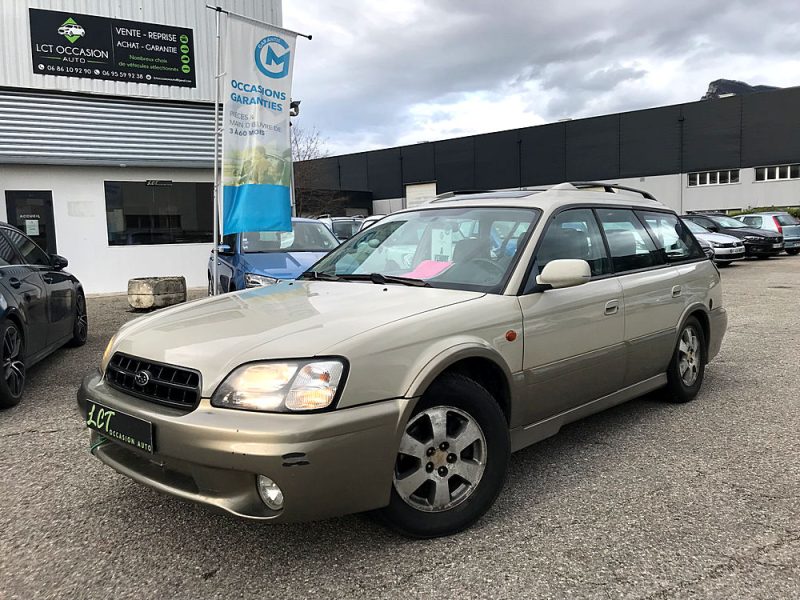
(606, 187)
(446, 195)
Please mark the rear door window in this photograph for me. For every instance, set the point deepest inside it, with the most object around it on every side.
(752, 221)
(628, 241)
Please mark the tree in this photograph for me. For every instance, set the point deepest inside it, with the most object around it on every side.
(310, 200)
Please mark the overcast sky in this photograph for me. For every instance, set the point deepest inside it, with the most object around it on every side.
(382, 73)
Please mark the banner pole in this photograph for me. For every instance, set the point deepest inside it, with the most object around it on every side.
(215, 250)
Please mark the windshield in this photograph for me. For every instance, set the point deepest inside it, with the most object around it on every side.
(727, 222)
(456, 248)
(304, 237)
(694, 227)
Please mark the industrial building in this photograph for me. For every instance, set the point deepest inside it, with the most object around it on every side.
(735, 152)
(106, 132)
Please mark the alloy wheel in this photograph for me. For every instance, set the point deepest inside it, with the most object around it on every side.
(689, 356)
(13, 367)
(441, 460)
(81, 318)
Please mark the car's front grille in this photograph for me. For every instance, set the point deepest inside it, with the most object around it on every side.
(165, 384)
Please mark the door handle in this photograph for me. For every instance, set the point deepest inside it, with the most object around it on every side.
(676, 291)
(14, 282)
(612, 307)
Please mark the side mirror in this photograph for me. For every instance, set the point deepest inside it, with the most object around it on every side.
(223, 249)
(58, 262)
(565, 272)
(713, 228)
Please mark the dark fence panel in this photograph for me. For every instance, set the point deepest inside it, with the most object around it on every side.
(455, 164)
(497, 160)
(593, 148)
(418, 164)
(319, 174)
(354, 171)
(650, 142)
(542, 154)
(711, 137)
(771, 128)
(383, 167)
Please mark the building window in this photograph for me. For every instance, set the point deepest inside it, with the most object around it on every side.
(158, 212)
(778, 172)
(722, 177)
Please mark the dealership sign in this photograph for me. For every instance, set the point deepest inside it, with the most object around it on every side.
(86, 46)
(256, 153)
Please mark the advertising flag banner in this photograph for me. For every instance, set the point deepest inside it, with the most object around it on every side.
(256, 151)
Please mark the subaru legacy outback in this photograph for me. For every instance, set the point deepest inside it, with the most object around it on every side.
(401, 370)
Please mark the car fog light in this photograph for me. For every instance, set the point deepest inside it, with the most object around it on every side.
(270, 493)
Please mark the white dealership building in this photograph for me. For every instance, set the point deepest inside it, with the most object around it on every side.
(106, 132)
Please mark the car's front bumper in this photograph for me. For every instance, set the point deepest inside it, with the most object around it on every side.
(759, 249)
(728, 254)
(326, 464)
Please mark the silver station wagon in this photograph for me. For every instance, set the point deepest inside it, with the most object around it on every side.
(400, 372)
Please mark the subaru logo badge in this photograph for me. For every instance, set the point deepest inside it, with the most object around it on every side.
(142, 378)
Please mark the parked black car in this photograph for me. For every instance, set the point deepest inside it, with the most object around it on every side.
(757, 242)
(42, 306)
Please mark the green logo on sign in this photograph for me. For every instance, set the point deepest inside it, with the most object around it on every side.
(71, 30)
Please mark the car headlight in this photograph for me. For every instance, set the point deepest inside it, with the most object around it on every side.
(714, 244)
(289, 386)
(752, 238)
(256, 280)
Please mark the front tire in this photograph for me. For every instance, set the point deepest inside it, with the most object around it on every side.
(80, 327)
(688, 365)
(793, 251)
(12, 353)
(452, 460)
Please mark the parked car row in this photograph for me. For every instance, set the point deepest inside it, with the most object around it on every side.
(759, 235)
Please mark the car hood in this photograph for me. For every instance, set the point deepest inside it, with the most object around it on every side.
(282, 265)
(741, 232)
(717, 238)
(287, 320)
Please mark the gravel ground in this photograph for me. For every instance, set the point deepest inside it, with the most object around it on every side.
(647, 500)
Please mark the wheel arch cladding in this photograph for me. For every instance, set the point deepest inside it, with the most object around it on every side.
(487, 374)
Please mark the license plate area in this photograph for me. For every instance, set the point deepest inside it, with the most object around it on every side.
(777, 245)
(119, 426)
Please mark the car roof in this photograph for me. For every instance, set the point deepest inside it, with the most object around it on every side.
(549, 198)
(767, 213)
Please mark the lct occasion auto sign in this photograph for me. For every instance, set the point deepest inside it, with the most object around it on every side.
(76, 45)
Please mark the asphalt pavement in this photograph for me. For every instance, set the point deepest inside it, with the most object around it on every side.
(647, 500)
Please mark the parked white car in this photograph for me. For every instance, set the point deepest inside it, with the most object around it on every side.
(727, 248)
(401, 378)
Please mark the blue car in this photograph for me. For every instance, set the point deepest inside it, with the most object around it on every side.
(256, 258)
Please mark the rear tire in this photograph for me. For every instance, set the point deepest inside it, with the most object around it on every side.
(12, 352)
(452, 460)
(80, 328)
(688, 365)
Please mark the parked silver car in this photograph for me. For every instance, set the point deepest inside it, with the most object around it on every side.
(780, 222)
(726, 247)
(401, 380)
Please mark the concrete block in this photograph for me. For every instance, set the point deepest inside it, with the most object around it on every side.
(147, 293)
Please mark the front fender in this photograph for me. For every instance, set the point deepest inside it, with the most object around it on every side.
(437, 359)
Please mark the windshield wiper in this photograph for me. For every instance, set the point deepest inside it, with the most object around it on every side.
(316, 275)
(382, 279)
